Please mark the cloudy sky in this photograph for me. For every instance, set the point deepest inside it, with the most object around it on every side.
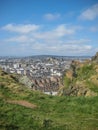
(54, 27)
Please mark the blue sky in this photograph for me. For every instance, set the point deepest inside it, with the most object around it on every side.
(54, 27)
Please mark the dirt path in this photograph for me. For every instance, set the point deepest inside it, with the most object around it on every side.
(22, 103)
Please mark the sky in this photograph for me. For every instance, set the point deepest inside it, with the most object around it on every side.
(48, 27)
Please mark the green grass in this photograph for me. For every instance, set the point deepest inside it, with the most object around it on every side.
(85, 72)
(66, 81)
(92, 86)
(52, 113)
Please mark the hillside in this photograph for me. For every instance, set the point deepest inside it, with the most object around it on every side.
(24, 109)
(81, 79)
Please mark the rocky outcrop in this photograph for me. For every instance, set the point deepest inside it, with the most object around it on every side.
(69, 74)
(41, 84)
(95, 58)
(46, 84)
(81, 79)
(78, 91)
(26, 81)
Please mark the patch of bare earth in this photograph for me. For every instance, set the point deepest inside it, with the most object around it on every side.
(22, 103)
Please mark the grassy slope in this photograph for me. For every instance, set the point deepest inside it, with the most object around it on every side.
(53, 113)
(88, 75)
(85, 76)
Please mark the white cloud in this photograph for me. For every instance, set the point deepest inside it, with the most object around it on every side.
(96, 49)
(62, 49)
(20, 39)
(54, 36)
(56, 41)
(17, 39)
(60, 31)
(35, 32)
(90, 14)
(79, 41)
(94, 29)
(51, 17)
(21, 28)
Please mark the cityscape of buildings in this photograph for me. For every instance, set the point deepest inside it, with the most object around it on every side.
(39, 73)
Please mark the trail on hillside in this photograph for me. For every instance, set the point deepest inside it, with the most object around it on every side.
(22, 103)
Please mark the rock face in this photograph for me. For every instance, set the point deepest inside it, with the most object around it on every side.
(81, 79)
(42, 84)
(46, 84)
(26, 81)
(78, 91)
(69, 74)
(95, 58)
